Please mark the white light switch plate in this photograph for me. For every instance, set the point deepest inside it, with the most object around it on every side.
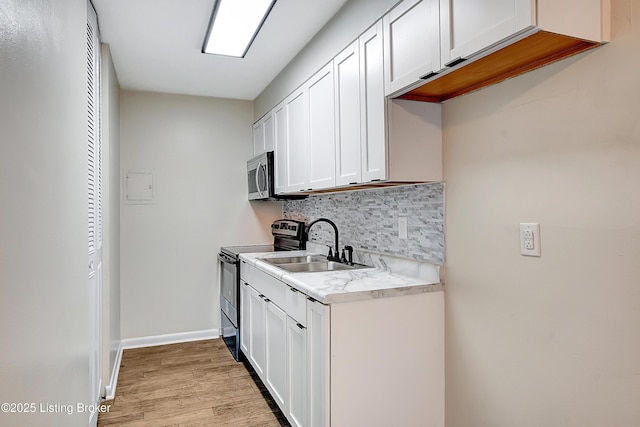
(530, 239)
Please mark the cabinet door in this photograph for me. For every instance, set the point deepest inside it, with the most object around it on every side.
(269, 136)
(276, 353)
(318, 324)
(468, 26)
(347, 109)
(280, 147)
(296, 107)
(245, 323)
(263, 137)
(322, 149)
(257, 339)
(297, 373)
(258, 138)
(373, 105)
(412, 43)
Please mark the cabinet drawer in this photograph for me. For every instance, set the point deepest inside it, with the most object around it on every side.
(246, 270)
(269, 286)
(296, 306)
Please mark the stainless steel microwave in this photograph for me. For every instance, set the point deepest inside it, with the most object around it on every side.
(260, 173)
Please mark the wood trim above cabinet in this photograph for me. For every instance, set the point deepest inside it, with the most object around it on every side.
(534, 51)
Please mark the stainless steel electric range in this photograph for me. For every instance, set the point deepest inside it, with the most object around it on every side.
(288, 235)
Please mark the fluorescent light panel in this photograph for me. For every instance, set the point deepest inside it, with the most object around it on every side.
(234, 24)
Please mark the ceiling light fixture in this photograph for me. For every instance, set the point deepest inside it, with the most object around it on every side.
(234, 25)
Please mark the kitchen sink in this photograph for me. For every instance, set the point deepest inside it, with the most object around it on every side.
(309, 263)
(296, 259)
(317, 266)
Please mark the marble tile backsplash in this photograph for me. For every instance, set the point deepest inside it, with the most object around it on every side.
(369, 219)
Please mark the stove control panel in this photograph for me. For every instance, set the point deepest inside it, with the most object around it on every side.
(288, 228)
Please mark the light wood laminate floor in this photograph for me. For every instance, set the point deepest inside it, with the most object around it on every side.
(188, 384)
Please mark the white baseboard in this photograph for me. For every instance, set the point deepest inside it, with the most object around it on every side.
(206, 334)
(110, 390)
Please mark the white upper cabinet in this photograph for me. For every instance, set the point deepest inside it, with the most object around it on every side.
(269, 136)
(468, 26)
(321, 139)
(347, 120)
(263, 135)
(361, 143)
(373, 122)
(296, 108)
(280, 147)
(412, 43)
(258, 138)
(486, 42)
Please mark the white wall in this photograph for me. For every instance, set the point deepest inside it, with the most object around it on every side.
(197, 149)
(111, 215)
(44, 311)
(550, 341)
(350, 21)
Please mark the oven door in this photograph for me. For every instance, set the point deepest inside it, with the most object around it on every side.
(229, 287)
(231, 336)
(229, 303)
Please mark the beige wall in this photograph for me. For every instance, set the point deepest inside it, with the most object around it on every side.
(197, 149)
(550, 341)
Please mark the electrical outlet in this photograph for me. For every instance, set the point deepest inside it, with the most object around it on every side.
(530, 239)
(402, 227)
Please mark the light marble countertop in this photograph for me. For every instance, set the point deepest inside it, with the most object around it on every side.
(389, 276)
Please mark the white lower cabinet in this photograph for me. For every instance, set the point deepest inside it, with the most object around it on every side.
(276, 357)
(244, 317)
(340, 364)
(297, 373)
(318, 364)
(257, 332)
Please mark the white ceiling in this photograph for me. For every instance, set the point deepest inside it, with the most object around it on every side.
(156, 45)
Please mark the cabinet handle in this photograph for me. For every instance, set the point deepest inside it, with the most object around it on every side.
(260, 296)
(353, 183)
(455, 62)
(429, 75)
(300, 326)
(294, 290)
(312, 299)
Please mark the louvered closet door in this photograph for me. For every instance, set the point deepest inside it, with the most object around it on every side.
(94, 166)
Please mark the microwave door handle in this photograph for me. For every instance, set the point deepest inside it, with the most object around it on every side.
(258, 170)
(265, 183)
